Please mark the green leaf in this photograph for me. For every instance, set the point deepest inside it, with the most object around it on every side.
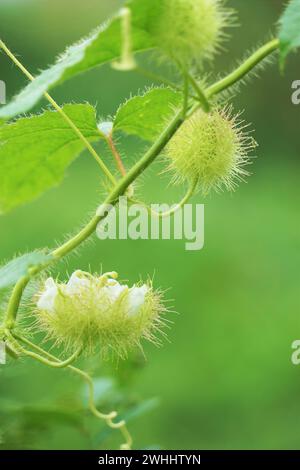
(146, 116)
(289, 32)
(102, 46)
(19, 267)
(35, 152)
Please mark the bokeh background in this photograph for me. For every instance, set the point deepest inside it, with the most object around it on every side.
(225, 380)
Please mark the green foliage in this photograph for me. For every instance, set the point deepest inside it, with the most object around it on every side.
(19, 267)
(204, 145)
(148, 114)
(289, 32)
(102, 46)
(35, 152)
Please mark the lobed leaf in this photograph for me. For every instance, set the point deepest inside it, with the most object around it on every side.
(147, 115)
(289, 32)
(102, 46)
(35, 152)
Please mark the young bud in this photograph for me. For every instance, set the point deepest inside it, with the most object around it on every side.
(191, 30)
(211, 147)
(90, 312)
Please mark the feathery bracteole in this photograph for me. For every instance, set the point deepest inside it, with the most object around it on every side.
(211, 147)
(97, 312)
(191, 31)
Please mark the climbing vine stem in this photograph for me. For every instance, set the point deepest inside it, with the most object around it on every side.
(133, 174)
(246, 67)
(119, 188)
(90, 228)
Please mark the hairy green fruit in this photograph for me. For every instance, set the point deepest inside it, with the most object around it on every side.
(212, 148)
(191, 30)
(91, 312)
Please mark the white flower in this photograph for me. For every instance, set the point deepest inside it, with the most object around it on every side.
(80, 284)
(89, 312)
(115, 290)
(76, 283)
(47, 299)
(136, 295)
(136, 299)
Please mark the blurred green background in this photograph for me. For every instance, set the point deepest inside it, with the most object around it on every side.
(225, 380)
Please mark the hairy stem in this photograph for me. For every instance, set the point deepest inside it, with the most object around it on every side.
(118, 190)
(121, 187)
(200, 93)
(115, 153)
(243, 69)
(90, 228)
(55, 364)
(133, 173)
(14, 302)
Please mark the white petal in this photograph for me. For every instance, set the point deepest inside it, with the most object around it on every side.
(136, 298)
(75, 283)
(47, 299)
(114, 291)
